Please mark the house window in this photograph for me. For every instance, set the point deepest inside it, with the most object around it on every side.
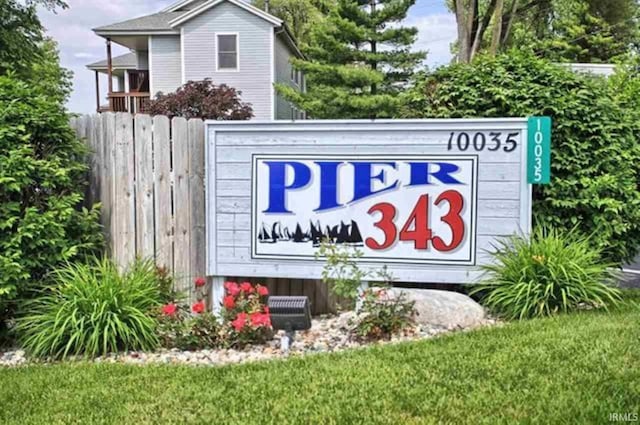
(227, 52)
(296, 76)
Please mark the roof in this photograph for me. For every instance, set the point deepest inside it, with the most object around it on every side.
(170, 19)
(126, 61)
(156, 22)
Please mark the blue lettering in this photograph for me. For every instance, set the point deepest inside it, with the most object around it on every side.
(278, 183)
(328, 185)
(420, 173)
(363, 178)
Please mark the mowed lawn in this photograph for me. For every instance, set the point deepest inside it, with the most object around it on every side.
(578, 368)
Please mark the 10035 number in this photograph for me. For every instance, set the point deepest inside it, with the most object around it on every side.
(492, 142)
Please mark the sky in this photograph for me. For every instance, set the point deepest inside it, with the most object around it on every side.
(71, 29)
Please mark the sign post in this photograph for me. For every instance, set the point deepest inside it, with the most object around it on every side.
(427, 198)
(539, 150)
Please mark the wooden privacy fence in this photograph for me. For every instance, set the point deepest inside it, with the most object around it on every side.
(148, 174)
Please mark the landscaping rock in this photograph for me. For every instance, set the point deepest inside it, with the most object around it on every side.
(444, 309)
(327, 334)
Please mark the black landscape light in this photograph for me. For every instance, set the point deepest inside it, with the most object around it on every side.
(291, 314)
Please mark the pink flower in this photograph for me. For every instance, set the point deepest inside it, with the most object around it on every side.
(240, 321)
(232, 288)
(263, 291)
(246, 287)
(266, 309)
(198, 307)
(200, 282)
(169, 309)
(229, 302)
(260, 319)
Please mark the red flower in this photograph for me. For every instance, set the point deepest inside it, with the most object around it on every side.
(240, 321)
(198, 307)
(260, 319)
(266, 309)
(262, 290)
(232, 288)
(229, 302)
(246, 287)
(200, 282)
(169, 309)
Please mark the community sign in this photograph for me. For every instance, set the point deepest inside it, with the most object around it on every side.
(427, 198)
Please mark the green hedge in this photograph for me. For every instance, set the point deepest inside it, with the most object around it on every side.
(42, 176)
(595, 154)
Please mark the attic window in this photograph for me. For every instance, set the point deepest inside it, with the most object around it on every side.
(227, 52)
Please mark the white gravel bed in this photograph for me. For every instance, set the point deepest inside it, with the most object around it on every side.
(327, 334)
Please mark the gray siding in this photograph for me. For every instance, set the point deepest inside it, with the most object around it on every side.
(283, 76)
(255, 56)
(166, 65)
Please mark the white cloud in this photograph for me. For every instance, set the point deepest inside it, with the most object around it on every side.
(436, 33)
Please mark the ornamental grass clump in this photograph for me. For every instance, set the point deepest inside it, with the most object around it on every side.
(93, 309)
(546, 273)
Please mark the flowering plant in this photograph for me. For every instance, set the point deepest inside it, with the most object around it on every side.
(245, 313)
(179, 329)
(382, 315)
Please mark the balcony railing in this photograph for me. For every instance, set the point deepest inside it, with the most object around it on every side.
(133, 102)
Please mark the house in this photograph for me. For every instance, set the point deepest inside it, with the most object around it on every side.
(229, 41)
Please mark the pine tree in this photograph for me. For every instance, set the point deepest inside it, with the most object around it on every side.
(358, 60)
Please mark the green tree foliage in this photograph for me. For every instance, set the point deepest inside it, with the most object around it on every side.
(42, 164)
(22, 35)
(358, 61)
(589, 31)
(299, 15)
(560, 30)
(595, 159)
(42, 175)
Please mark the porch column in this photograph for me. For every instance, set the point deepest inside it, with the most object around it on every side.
(97, 91)
(109, 73)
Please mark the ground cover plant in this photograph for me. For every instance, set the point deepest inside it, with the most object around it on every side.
(93, 309)
(576, 368)
(595, 151)
(545, 273)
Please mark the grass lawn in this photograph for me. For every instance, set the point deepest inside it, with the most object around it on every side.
(572, 369)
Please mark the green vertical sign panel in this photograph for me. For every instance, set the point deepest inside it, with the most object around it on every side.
(539, 150)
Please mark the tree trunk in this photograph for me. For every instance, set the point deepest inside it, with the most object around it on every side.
(464, 20)
(497, 27)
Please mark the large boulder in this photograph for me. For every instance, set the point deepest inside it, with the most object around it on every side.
(446, 309)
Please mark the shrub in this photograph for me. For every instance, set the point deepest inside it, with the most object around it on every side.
(202, 99)
(245, 314)
(595, 154)
(200, 329)
(546, 273)
(93, 309)
(42, 180)
(382, 316)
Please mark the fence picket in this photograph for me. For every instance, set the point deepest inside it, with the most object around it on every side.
(144, 187)
(125, 246)
(163, 197)
(197, 198)
(107, 179)
(182, 204)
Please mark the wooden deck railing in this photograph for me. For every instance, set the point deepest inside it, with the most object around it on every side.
(133, 102)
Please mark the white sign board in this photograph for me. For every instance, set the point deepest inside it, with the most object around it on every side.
(425, 197)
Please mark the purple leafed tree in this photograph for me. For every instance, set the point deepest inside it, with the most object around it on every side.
(202, 99)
